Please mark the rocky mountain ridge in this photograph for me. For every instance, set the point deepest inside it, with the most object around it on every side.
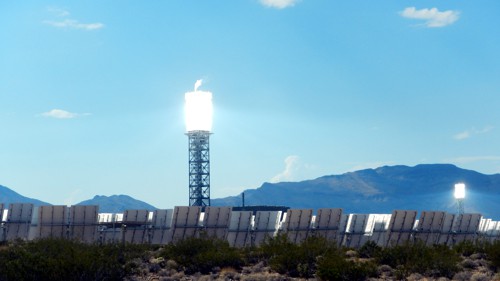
(381, 190)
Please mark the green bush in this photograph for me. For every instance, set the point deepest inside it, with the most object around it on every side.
(310, 250)
(467, 247)
(493, 254)
(203, 254)
(369, 250)
(335, 267)
(54, 259)
(50, 259)
(251, 255)
(296, 260)
(438, 260)
(444, 261)
(281, 254)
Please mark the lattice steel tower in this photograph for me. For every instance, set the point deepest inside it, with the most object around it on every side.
(199, 168)
(198, 110)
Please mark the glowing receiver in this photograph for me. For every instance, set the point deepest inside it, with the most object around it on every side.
(198, 110)
(459, 191)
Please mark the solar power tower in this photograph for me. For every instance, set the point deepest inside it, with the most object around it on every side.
(198, 110)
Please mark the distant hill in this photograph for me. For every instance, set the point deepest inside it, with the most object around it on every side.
(111, 204)
(381, 190)
(117, 203)
(8, 196)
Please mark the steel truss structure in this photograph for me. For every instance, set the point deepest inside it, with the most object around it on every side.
(199, 168)
(460, 206)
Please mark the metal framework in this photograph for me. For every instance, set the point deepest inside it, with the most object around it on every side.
(460, 206)
(199, 168)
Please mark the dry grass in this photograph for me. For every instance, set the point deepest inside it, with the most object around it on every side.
(474, 268)
(150, 264)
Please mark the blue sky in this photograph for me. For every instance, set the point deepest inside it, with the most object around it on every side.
(92, 92)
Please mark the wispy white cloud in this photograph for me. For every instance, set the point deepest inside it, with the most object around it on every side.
(432, 17)
(59, 12)
(484, 130)
(62, 114)
(279, 4)
(462, 135)
(291, 167)
(69, 23)
(471, 132)
(72, 198)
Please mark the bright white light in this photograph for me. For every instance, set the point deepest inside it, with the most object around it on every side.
(459, 191)
(198, 110)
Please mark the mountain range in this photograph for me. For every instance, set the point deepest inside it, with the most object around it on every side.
(8, 196)
(117, 203)
(423, 188)
(382, 190)
(107, 204)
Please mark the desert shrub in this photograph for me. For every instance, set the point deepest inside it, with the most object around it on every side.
(256, 268)
(252, 255)
(415, 277)
(384, 269)
(479, 256)
(281, 254)
(493, 254)
(309, 251)
(335, 267)
(462, 276)
(265, 276)
(203, 254)
(369, 249)
(479, 276)
(443, 261)
(296, 260)
(351, 254)
(469, 248)
(228, 274)
(483, 263)
(438, 260)
(397, 257)
(465, 248)
(469, 264)
(55, 259)
(171, 264)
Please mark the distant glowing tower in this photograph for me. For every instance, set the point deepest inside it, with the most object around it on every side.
(460, 196)
(198, 114)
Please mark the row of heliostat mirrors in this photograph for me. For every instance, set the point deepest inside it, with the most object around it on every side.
(241, 228)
